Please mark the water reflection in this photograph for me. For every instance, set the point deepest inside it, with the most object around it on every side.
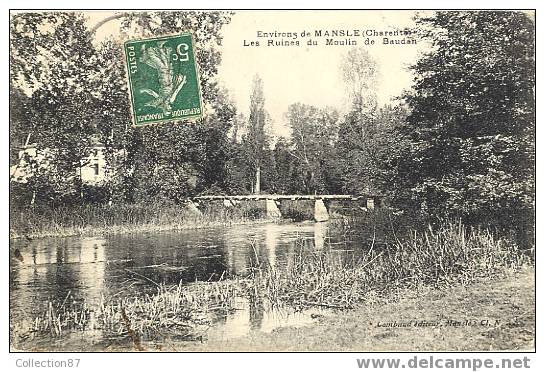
(320, 233)
(87, 268)
(53, 271)
(259, 317)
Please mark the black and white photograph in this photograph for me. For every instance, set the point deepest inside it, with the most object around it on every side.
(272, 181)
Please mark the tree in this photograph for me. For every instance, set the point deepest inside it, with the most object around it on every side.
(368, 149)
(471, 126)
(285, 165)
(256, 139)
(313, 135)
(60, 114)
(79, 98)
(217, 150)
(359, 132)
(32, 36)
(359, 73)
(176, 160)
(240, 173)
(18, 128)
(113, 119)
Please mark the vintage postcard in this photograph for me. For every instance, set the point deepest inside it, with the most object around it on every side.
(285, 180)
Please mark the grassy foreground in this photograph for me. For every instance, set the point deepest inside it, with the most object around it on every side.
(432, 276)
(508, 299)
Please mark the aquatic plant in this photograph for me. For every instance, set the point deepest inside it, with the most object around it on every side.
(89, 219)
(438, 257)
(443, 256)
(182, 312)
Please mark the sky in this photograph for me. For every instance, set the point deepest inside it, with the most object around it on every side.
(305, 74)
(310, 75)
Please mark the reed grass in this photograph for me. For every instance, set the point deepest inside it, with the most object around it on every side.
(439, 257)
(93, 219)
(182, 312)
(450, 254)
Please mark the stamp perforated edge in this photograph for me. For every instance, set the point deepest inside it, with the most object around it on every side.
(187, 120)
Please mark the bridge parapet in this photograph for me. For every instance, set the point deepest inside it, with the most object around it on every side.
(285, 197)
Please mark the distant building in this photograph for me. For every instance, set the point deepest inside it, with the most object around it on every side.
(93, 170)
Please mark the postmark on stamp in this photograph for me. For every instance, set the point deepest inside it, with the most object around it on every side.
(163, 79)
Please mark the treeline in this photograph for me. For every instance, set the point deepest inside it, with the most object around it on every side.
(460, 143)
(325, 154)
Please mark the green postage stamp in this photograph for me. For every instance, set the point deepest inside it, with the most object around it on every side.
(163, 79)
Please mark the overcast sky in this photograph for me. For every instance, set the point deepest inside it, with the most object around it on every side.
(309, 74)
(303, 74)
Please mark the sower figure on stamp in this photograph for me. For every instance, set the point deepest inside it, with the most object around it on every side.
(170, 83)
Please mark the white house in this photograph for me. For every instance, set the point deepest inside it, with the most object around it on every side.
(93, 169)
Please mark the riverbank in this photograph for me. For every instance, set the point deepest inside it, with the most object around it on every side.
(490, 314)
(495, 313)
(98, 220)
(312, 277)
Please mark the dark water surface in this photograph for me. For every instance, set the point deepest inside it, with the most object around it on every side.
(49, 269)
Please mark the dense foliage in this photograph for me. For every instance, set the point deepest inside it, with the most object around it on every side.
(471, 126)
(460, 143)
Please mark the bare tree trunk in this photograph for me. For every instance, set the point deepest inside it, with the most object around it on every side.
(80, 184)
(27, 141)
(110, 168)
(258, 180)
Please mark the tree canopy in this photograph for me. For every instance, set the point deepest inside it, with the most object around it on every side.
(460, 142)
(471, 123)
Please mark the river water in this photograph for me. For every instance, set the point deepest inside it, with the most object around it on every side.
(87, 268)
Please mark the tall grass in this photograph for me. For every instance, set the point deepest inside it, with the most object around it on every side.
(451, 254)
(435, 257)
(177, 312)
(90, 219)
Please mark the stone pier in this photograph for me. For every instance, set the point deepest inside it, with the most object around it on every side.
(193, 207)
(272, 209)
(320, 211)
(228, 203)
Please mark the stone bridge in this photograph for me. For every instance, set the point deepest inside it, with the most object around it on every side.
(321, 212)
